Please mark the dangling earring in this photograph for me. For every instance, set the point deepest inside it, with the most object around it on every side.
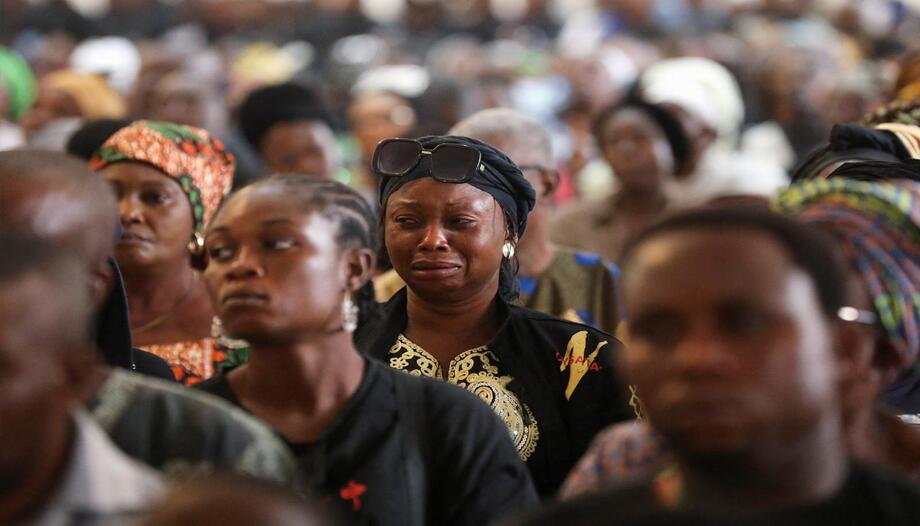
(508, 250)
(196, 245)
(349, 314)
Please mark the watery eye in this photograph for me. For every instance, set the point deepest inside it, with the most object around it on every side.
(154, 197)
(280, 244)
(464, 220)
(219, 253)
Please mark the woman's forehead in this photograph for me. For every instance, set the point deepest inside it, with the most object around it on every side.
(261, 200)
(427, 192)
(136, 171)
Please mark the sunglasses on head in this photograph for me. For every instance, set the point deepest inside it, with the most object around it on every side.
(450, 163)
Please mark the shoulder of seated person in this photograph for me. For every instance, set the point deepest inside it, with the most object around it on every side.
(563, 327)
(193, 405)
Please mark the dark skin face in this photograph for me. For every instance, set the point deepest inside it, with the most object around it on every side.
(700, 135)
(41, 384)
(155, 215)
(174, 104)
(445, 240)
(727, 345)
(540, 171)
(637, 151)
(57, 214)
(276, 272)
(376, 117)
(300, 147)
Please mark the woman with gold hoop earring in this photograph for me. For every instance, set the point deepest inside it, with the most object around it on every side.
(169, 180)
(453, 209)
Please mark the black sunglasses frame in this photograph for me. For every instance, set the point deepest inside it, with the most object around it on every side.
(478, 165)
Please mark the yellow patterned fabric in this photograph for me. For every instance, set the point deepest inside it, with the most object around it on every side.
(479, 372)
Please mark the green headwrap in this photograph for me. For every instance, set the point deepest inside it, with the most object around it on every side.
(16, 76)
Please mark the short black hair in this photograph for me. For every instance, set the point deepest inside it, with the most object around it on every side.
(92, 135)
(287, 102)
(23, 255)
(809, 248)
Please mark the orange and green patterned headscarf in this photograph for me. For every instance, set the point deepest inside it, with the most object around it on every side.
(191, 156)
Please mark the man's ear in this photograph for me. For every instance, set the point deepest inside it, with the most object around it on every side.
(80, 365)
(550, 181)
(854, 349)
(887, 360)
(358, 266)
(101, 280)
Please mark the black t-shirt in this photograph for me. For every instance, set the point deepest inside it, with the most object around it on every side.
(362, 463)
(868, 498)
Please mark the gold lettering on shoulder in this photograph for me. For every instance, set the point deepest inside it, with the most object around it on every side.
(576, 361)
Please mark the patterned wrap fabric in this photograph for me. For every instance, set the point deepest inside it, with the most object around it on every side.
(878, 226)
(196, 160)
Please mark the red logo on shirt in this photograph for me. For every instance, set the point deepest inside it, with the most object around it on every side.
(353, 491)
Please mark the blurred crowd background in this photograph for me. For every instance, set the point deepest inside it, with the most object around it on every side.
(383, 68)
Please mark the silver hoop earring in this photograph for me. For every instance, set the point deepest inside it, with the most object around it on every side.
(508, 250)
(349, 314)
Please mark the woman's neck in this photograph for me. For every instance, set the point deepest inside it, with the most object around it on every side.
(640, 199)
(167, 308)
(154, 290)
(446, 329)
(299, 388)
(535, 252)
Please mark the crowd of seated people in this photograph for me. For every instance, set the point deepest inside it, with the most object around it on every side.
(631, 263)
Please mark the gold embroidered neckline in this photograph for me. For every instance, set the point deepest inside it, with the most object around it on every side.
(402, 339)
(477, 371)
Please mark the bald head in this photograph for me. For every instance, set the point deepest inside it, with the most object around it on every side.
(57, 197)
(517, 134)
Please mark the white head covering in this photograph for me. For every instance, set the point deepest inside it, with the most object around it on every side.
(405, 80)
(115, 58)
(702, 87)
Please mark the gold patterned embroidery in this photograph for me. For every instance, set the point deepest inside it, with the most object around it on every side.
(477, 371)
(576, 361)
(636, 403)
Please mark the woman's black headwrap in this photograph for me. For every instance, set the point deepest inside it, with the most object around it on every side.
(502, 179)
(850, 143)
(880, 172)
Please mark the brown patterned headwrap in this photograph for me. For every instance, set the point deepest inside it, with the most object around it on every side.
(191, 156)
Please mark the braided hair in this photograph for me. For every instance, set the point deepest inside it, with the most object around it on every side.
(344, 206)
